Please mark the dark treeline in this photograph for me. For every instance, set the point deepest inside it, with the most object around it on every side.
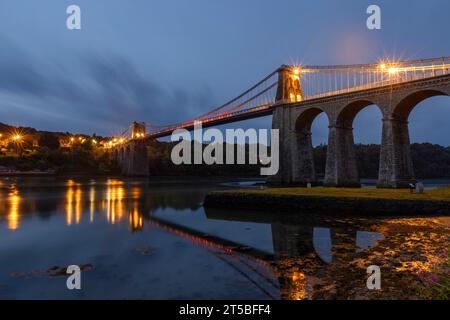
(161, 164)
(52, 151)
(80, 159)
(430, 161)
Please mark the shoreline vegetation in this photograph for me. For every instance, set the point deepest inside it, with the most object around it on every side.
(27, 151)
(335, 200)
(435, 284)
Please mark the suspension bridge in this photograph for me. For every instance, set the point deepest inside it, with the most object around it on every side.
(296, 95)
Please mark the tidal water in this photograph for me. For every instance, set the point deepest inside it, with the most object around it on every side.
(136, 239)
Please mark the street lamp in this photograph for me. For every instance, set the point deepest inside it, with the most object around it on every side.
(17, 138)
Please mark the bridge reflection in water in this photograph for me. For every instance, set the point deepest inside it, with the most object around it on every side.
(305, 249)
(300, 248)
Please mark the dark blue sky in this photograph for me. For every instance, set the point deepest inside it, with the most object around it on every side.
(164, 61)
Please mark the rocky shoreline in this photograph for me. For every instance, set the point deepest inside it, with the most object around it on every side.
(312, 204)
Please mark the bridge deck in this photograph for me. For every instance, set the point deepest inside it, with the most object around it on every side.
(266, 110)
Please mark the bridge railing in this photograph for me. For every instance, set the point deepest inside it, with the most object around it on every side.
(322, 81)
(319, 82)
(260, 96)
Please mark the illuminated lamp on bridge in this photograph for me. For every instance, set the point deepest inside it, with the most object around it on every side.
(295, 92)
(390, 68)
(393, 70)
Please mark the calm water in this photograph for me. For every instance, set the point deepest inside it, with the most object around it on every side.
(155, 241)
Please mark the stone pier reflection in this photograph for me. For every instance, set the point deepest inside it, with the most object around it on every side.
(304, 245)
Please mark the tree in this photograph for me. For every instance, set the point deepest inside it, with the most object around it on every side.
(49, 140)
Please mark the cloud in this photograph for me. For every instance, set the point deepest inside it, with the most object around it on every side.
(94, 93)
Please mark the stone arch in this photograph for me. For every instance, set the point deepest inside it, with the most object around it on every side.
(403, 109)
(304, 121)
(396, 166)
(303, 168)
(348, 113)
(342, 168)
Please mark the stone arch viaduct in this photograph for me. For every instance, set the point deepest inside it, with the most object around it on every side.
(294, 120)
(294, 112)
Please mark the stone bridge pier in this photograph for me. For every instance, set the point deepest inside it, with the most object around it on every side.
(295, 119)
(132, 156)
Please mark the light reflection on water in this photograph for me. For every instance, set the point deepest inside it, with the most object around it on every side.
(13, 202)
(135, 233)
(110, 202)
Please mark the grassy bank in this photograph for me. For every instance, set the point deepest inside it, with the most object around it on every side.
(334, 201)
(441, 194)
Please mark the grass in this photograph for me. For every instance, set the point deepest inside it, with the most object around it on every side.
(441, 194)
(435, 285)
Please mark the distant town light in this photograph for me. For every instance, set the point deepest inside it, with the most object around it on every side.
(382, 66)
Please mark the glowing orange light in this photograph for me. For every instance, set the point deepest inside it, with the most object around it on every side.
(13, 217)
(393, 70)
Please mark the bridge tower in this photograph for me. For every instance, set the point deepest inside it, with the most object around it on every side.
(137, 130)
(296, 162)
(289, 85)
(133, 155)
